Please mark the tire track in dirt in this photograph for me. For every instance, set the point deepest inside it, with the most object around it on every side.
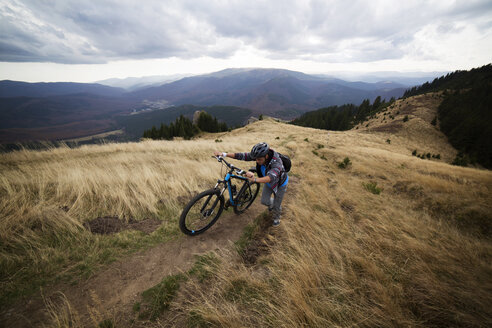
(115, 289)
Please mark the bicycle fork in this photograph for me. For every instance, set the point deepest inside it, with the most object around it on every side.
(210, 211)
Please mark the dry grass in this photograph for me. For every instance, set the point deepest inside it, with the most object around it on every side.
(46, 196)
(418, 254)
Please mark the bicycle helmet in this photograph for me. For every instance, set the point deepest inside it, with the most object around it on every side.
(259, 150)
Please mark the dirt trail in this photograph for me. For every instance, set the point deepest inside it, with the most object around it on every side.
(115, 289)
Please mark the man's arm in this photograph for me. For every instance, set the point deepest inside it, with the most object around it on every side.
(238, 156)
(218, 153)
(261, 180)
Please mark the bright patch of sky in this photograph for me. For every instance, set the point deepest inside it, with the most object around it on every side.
(84, 41)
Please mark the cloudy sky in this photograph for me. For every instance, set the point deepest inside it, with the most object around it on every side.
(65, 40)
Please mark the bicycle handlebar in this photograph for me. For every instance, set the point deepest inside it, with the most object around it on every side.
(232, 167)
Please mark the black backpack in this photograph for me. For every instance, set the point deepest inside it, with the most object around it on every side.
(286, 161)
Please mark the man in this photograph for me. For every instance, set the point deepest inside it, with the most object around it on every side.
(271, 172)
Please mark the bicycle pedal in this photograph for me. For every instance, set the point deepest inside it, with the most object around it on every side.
(226, 206)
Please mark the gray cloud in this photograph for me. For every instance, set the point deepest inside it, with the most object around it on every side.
(337, 31)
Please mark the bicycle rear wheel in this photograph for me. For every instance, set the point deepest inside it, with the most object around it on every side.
(201, 212)
(246, 196)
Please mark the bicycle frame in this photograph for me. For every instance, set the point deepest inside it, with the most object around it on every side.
(227, 179)
(227, 183)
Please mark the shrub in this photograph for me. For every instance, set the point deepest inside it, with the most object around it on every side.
(405, 119)
(345, 163)
(414, 153)
(388, 141)
(434, 121)
(372, 187)
(461, 160)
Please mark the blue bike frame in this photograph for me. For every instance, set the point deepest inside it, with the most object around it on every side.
(227, 181)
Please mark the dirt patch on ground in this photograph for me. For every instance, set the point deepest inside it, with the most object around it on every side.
(113, 224)
(261, 240)
(264, 235)
(114, 291)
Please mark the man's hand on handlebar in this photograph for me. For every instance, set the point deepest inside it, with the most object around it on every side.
(250, 176)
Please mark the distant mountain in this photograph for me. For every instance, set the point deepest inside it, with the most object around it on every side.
(24, 89)
(26, 112)
(134, 83)
(408, 79)
(58, 117)
(276, 92)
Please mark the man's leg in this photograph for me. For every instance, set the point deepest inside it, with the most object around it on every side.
(277, 204)
(266, 196)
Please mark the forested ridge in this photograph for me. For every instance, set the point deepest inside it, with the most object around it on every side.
(454, 81)
(466, 119)
(465, 114)
(344, 117)
(184, 127)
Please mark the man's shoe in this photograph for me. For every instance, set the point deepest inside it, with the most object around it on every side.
(276, 222)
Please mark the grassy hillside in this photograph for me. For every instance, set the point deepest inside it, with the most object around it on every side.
(387, 240)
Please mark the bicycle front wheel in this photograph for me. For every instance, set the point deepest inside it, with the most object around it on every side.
(246, 196)
(201, 212)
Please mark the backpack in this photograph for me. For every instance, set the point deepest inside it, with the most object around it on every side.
(286, 161)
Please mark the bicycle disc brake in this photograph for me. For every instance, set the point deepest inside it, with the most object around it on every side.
(207, 213)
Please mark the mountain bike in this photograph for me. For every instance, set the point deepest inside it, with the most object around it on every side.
(205, 208)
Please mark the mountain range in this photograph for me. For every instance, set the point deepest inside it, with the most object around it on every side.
(134, 83)
(280, 93)
(32, 111)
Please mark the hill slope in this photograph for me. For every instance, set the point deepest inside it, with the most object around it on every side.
(408, 122)
(389, 240)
